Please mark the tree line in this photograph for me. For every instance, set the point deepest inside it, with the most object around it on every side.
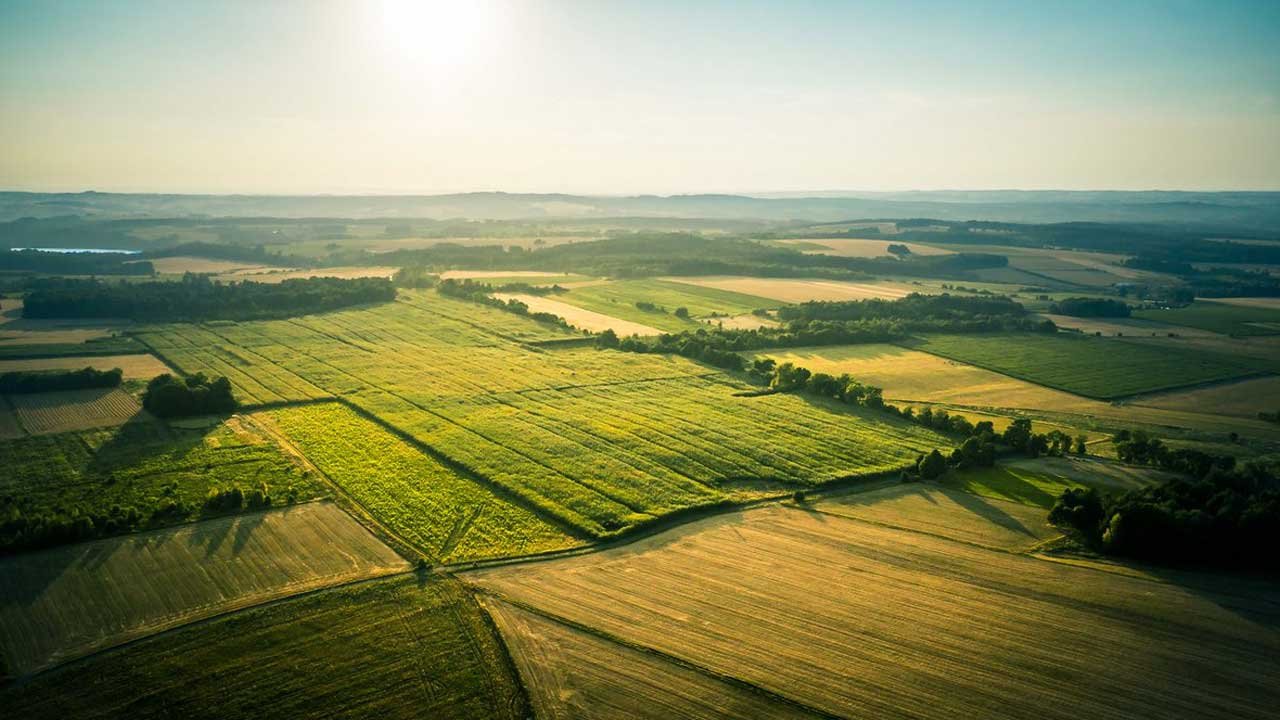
(196, 297)
(1091, 307)
(481, 293)
(47, 381)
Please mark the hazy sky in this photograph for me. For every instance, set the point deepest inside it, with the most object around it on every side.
(272, 96)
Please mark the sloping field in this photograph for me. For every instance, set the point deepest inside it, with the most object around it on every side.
(135, 367)
(68, 410)
(383, 650)
(574, 674)
(1040, 482)
(791, 290)
(856, 247)
(861, 620)
(581, 318)
(1220, 317)
(1245, 399)
(619, 298)
(62, 603)
(1088, 366)
(448, 517)
(951, 514)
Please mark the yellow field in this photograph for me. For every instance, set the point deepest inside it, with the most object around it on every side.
(856, 247)
(952, 514)
(135, 367)
(67, 410)
(741, 322)
(800, 290)
(180, 265)
(910, 375)
(860, 620)
(1241, 399)
(1127, 327)
(580, 318)
(574, 674)
(275, 275)
(58, 604)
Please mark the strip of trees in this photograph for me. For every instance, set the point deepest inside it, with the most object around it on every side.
(481, 293)
(196, 297)
(35, 382)
(1091, 307)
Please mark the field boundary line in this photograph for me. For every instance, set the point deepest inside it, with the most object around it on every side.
(654, 652)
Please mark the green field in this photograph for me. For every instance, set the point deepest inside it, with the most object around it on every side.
(595, 440)
(618, 299)
(1040, 482)
(1093, 367)
(446, 516)
(1219, 317)
(120, 345)
(395, 648)
(143, 466)
(68, 601)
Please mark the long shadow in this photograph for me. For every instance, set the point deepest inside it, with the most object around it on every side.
(990, 512)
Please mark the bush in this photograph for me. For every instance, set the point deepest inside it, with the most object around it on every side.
(932, 466)
(167, 396)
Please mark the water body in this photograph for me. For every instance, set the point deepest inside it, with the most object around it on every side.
(83, 250)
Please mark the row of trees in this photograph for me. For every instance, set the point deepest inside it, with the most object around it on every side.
(34, 382)
(1091, 307)
(167, 396)
(1139, 448)
(1225, 518)
(479, 292)
(196, 297)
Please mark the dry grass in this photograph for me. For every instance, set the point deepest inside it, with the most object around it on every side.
(56, 412)
(800, 290)
(862, 620)
(579, 317)
(741, 322)
(1240, 399)
(570, 673)
(135, 367)
(857, 247)
(62, 603)
(948, 513)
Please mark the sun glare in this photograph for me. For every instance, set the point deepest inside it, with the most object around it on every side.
(437, 32)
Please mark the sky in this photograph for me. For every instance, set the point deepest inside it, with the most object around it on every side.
(650, 96)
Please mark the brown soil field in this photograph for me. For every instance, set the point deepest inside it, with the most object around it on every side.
(800, 290)
(67, 410)
(65, 602)
(135, 367)
(580, 318)
(952, 514)
(180, 265)
(572, 674)
(1240, 399)
(856, 247)
(861, 620)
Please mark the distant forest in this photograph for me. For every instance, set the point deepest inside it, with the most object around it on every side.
(196, 297)
(83, 263)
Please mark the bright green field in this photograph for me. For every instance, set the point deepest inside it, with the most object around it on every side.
(618, 299)
(396, 648)
(142, 465)
(1219, 317)
(590, 439)
(1093, 367)
(448, 517)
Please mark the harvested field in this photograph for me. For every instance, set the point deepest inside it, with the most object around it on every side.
(947, 513)
(380, 650)
(856, 247)
(62, 603)
(68, 410)
(579, 317)
(1243, 399)
(180, 265)
(741, 322)
(135, 367)
(621, 298)
(17, 330)
(1125, 327)
(1039, 482)
(860, 620)
(799, 290)
(275, 275)
(574, 674)
(527, 275)
(1092, 367)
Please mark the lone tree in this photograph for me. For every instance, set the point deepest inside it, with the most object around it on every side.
(932, 465)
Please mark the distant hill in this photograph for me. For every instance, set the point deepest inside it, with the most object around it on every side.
(1253, 211)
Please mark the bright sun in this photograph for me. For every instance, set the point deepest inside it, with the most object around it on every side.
(437, 32)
